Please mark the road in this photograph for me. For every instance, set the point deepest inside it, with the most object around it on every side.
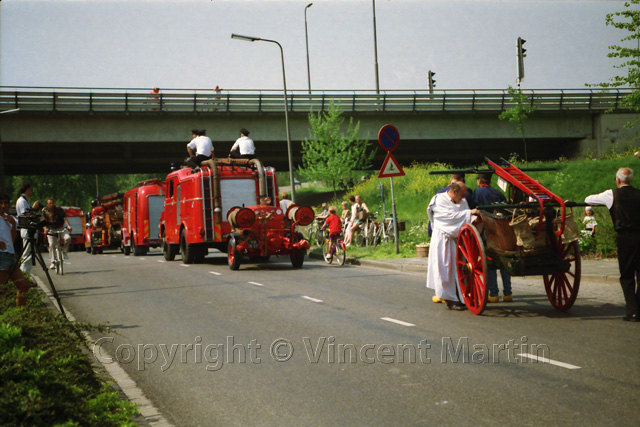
(331, 345)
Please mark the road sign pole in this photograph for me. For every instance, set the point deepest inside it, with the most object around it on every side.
(395, 218)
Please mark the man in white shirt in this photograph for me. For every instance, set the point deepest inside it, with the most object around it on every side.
(243, 148)
(22, 205)
(200, 148)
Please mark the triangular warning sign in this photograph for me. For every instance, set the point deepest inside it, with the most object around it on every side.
(390, 167)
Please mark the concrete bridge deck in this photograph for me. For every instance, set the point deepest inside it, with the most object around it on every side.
(92, 130)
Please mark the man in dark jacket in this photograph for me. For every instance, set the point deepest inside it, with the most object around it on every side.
(623, 203)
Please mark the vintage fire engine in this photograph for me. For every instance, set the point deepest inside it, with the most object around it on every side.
(230, 205)
(76, 220)
(103, 229)
(142, 207)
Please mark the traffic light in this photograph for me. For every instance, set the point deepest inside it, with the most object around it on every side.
(521, 56)
(432, 82)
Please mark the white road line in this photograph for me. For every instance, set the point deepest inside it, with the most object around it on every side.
(312, 299)
(550, 361)
(216, 273)
(142, 259)
(184, 265)
(399, 322)
(255, 283)
(160, 260)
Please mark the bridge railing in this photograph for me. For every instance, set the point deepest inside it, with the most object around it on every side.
(187, 101)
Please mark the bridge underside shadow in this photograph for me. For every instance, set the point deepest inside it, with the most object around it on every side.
(146, 157)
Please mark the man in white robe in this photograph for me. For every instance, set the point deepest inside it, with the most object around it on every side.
(448, 212)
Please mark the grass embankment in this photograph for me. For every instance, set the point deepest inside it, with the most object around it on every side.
(573, 180)
(45, 379)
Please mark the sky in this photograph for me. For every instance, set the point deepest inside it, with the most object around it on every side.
(186, 44)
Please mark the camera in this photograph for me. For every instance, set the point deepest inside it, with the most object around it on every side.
(30, 220)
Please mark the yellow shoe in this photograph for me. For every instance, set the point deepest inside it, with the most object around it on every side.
(437, 300)
(507, 298)
(493, 299)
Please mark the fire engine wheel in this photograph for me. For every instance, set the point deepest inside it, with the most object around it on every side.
(88, 249)
(233, 255)
(188, 251)
(169, 251)
(471, 267)
(138, 250)
(124, 248)
(94, 250)
(562, 286)
(297, 257)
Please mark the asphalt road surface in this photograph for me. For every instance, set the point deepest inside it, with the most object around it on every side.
(331, 345)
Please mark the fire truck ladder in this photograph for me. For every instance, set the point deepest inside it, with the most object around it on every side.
(531, 188)
(207, 202)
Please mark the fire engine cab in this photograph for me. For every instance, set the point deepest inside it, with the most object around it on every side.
(142, 207)
(230, 205)
(103, 228)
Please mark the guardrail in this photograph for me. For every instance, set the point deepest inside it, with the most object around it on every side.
(94, 100)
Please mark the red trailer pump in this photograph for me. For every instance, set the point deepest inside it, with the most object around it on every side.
(142, 207)
(103, 230)
(229, 203)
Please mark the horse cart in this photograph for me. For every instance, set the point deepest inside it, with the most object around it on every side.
(531, 234)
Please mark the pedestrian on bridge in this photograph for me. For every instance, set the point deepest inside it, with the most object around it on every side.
(623, 203)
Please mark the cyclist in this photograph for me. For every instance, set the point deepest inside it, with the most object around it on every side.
(54, 220)
(334, 224)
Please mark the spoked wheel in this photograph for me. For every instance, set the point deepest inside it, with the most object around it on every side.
(562, 286)
(471, 266)
(341, 252)
(326, 249)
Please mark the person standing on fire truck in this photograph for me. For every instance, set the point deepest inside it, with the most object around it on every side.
(243, 148)
(200, 148)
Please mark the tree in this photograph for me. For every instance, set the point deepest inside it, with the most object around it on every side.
(628, 20)
(519, 113)
(330, 154)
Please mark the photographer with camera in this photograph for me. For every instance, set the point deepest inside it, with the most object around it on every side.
(8, 261)
(54, 221)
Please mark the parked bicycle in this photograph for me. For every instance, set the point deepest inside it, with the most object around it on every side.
(334, 247)
(379, 232)
(316, 235)
(58, 254)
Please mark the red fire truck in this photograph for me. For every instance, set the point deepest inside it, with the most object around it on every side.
(104, 225)
(142, 207)
(76, 220)
(230, 205)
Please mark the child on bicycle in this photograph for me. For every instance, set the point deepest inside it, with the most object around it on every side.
(334, 224)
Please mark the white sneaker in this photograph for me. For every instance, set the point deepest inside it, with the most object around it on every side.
(52, 266)
(327, 256)
(65, 256)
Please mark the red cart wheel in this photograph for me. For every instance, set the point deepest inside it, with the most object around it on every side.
(472, 269)
(562, 287)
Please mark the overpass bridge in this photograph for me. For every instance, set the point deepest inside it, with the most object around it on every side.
(100, 130)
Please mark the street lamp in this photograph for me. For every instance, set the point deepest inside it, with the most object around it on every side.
(306, 36)
(286, 105)
(375, 46)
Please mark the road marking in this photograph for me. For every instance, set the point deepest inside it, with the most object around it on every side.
(255, 283)
(184, 265)
(399, 322)
(142, 259)
(312, 299)
(216, 273)
(160, 260)
(550, 361)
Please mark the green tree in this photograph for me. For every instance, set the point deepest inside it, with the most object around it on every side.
(330, 154)
(519, 113)
(628, 20)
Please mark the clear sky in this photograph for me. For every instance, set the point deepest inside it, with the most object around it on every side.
(470, 44)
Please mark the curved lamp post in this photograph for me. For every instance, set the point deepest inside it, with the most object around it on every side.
(306, 36)
(286, 105)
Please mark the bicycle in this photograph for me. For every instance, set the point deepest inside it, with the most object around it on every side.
(334, 248)
(363, 236)
(58, 254)
(381, 231)
(316, 234)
